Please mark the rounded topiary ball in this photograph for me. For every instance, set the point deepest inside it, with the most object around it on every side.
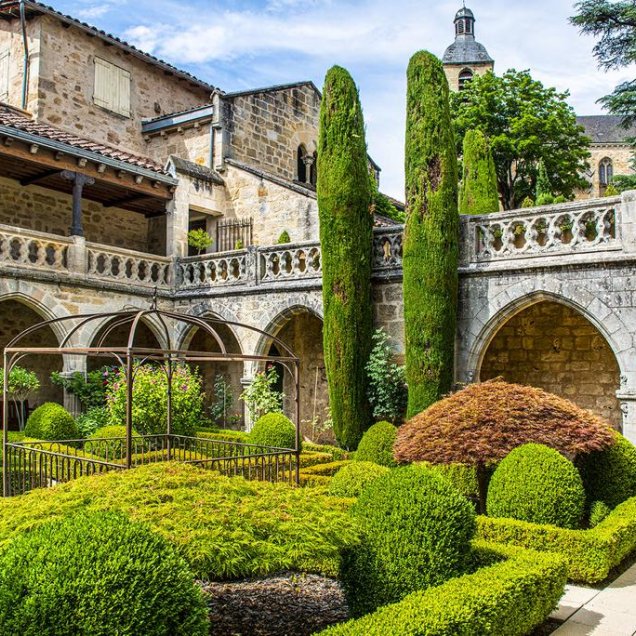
(536, 483)
(417, 530)
(610, 475)
(50, 421)
(350, 480)
(99, 574)
(273, 429)
(377, 443)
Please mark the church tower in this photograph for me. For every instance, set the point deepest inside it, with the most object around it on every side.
(465, 57)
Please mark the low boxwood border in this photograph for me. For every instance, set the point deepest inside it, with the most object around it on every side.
(507, 598)
(590, 554)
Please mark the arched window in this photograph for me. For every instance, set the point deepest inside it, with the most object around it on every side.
(313, 178)
(464, 77)
(460, 27)
(302, 168)
(468, 26)
(605, 172)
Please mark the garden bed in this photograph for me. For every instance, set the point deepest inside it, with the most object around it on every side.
(590, 554)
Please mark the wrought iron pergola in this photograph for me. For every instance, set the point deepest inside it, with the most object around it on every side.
(131, 356)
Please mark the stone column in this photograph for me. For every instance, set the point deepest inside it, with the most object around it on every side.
(77, 257)
(246, 380)
(72, 365)
(177, 218)
(308, 160)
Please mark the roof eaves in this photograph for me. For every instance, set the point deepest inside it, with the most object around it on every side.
(201, 114)
(273, 89)
(285, 183)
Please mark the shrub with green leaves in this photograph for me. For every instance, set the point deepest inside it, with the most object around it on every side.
(90, 388)
(376, 445)
(199, 240)
(536, 483)
(273, 429)
(89, 422)
(598, 511)
(416, 534)
(97, 574)
(22, 383)
(261, 396)
(150, 400)
(610, 475)
(354, 477)
(109, 442)
(225, 527)
(51, 421)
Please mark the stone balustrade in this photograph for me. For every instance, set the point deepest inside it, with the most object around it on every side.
(26, 248)
(128, 266)
(567, 228)
(290, 261)
(212, 270)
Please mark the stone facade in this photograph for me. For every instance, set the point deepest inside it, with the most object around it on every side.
(453, 71)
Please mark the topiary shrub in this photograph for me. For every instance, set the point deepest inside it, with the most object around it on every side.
(416, 533)
(109, 442)
(99, 574)
(537, 484)
(376, 445)
(273, 429)
(610, 475)
(598, 511)
(51, 421)
(351, 479)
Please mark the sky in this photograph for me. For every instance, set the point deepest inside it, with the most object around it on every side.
(242, 44)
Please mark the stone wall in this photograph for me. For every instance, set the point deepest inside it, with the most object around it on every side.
(621, 156)
(266, 128)
(552, 347)
(452, 72)
(66, 84)
(388, 310)
(192, 144)
(45, 210)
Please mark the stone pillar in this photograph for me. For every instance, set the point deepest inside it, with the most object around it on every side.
(245, 382)
(177, 218)
(627, 220)
(308, 160)
(72, 365)
(77, 257)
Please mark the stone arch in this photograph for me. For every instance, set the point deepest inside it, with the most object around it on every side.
(184, 332)
(551, 342)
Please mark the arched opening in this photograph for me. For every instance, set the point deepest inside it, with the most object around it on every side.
(221, 379)
(552, 346)
(15, 317)
(465, 76)
(605, 174)
(313, 171)
(301, 170)
(301, 331)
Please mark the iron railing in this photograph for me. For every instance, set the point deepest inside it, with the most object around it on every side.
(40, 464)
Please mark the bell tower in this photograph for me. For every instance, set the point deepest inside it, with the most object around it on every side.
(465, 57)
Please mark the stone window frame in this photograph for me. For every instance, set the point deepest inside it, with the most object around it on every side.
(5, 70)
(465, 76)
(115, 98)
(605, 171)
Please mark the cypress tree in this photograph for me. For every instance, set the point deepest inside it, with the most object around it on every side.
(430, 250)
(479, 193)
(346, 226)
(543, 190)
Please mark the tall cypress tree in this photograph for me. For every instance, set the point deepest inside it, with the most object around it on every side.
(478, 194)
(431, 232)
(346, 226)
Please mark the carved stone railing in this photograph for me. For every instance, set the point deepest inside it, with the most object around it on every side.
(212, 270)
(568, 228)
(26, 248)
(137, 268)
(387, 248)
(292, 261)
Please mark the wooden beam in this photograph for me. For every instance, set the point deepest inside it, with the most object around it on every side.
(38, 177)
(117, 203)
(60, 161)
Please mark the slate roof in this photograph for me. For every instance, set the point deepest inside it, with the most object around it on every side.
(196, 171)
(9, 10)
(466, 50)
(12, 118)
(605, 129)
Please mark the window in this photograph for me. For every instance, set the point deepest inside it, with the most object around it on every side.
(460, 27)
(4, 76)
(313, 172)
(605, 171)
(112, 87)
(302, 167)
(464, 77)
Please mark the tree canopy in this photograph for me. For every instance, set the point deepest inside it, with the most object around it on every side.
(525, 122)
(614, 23)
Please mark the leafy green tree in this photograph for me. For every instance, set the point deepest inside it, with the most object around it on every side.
(615, 24)
(524, 122)
(430, 236)
(261, 396)
(478, 194)
(346, 225)
(22, 383)
(199, 240)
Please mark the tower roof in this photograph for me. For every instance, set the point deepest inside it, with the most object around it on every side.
(465, 49)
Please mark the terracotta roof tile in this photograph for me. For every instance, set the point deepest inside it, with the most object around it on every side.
(19, 120)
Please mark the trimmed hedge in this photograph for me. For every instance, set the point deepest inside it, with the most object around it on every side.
(97, 574)
(598, 511)
(352, 479)
(536, 483)
(590, 554)
(416, 534)
(273, 429)
(113, 444)
(226, 435)
(308, 459)
(328, 470)
(463, 477)
(610, 475)
(336, 452)
(376, 445)
(225, 527)
(51, 421)
(509, 598)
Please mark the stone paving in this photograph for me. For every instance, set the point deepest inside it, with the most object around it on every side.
(607, 612)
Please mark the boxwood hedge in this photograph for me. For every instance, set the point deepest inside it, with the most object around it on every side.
(590, 554)
(507, 598)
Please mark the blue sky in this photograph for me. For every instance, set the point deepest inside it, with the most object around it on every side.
(238, 44)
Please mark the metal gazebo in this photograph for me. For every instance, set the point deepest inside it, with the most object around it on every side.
(29, 464)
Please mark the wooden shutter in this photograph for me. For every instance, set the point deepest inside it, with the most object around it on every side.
(123, 104)
(112, 87)
(4, 76)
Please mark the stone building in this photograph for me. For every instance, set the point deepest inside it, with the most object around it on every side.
(108, 156)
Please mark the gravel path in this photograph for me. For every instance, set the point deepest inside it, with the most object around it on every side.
(290, 604)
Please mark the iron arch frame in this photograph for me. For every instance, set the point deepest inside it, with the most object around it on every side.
(127, 356)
